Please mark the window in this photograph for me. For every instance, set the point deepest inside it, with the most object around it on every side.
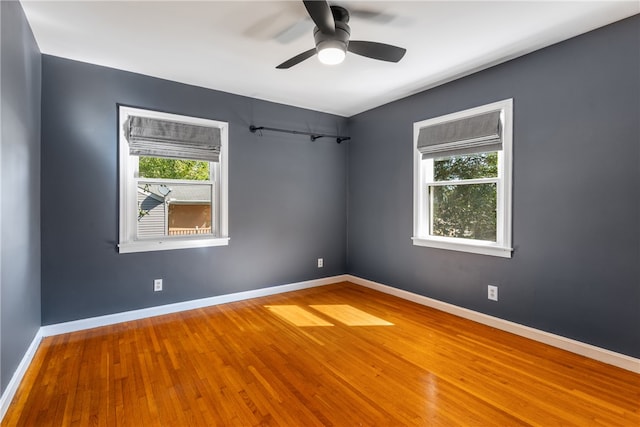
(173, 181)
(462, 180)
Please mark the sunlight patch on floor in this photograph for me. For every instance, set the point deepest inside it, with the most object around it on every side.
(297, 315)
(350, 315)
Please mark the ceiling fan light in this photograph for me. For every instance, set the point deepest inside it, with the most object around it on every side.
(331, 52)
(331, 56)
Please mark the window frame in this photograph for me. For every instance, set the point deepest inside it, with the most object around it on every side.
(128, 180)
(421, 200)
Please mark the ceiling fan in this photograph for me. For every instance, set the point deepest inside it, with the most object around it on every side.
(331, 35)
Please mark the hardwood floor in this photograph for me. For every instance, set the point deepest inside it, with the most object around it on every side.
(339, 355)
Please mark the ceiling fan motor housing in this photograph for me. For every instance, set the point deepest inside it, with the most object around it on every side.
(340, 38)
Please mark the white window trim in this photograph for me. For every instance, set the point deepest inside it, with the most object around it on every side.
(128, 203)
(503, 246)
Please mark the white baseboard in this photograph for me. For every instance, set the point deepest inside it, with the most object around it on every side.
(110, 319)
(603, 355)
(16, 379)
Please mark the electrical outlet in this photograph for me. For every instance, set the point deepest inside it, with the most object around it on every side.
(320, 263)
(492, 292)
(157, 285)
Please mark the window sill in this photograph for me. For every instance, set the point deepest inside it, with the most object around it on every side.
(169, 244)
(472, 247)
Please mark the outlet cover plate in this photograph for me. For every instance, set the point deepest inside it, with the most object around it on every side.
(157, 285)
(492, 292)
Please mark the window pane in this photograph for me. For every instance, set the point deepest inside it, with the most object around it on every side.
(173, 209)
(466, 166)
(155, 167)
(464, 210)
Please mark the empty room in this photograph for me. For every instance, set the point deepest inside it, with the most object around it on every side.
(312, 213)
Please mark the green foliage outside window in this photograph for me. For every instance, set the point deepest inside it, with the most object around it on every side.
(154, 167)
(465, 210)
(467, 166)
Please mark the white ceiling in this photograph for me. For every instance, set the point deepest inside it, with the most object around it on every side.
(234, 46)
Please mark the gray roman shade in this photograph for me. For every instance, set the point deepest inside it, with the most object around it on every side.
(475, 134)
(163, 138)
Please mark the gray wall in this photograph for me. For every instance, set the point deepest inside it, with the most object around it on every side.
(576, 266)
(287, 196)
(20, 189)
(575, 271)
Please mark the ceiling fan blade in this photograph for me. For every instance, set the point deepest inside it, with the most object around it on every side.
(381, 51)
(321, 14)
(297, 59)
(294, 31)
(373, 16)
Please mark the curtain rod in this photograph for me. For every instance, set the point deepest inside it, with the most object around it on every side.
(312, 136)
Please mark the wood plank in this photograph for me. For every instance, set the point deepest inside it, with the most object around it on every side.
(250, 363)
